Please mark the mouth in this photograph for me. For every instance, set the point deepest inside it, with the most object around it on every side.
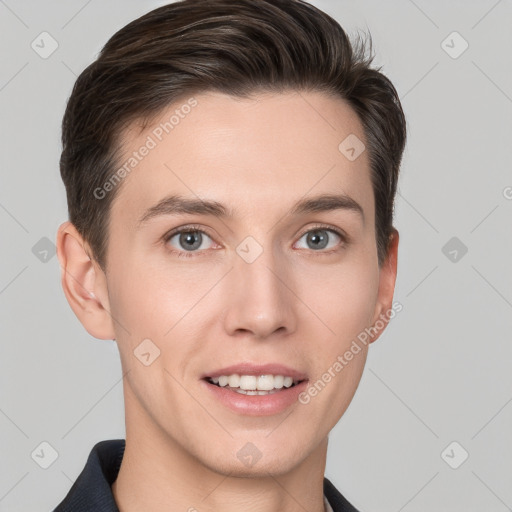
(253, 389)
(264, 384)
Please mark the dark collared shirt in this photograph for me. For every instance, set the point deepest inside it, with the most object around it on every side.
(91, 491)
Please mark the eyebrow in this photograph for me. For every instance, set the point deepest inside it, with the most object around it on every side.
(176, 204)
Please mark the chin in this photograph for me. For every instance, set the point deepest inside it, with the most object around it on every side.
(260, 469)
(260, 458)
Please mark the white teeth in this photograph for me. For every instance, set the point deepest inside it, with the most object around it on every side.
(248, 382)
(265, 382)
(252, 384)
(278, 381)
(234, 381)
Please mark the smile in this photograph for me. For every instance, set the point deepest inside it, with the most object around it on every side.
(254, 385)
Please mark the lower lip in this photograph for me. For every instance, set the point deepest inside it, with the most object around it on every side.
(256, 405)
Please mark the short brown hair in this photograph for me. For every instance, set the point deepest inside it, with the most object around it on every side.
(237, 47)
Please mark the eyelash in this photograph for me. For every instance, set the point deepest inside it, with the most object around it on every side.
(191, 228)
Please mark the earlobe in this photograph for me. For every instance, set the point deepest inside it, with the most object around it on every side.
(387, 279)
(84, 283)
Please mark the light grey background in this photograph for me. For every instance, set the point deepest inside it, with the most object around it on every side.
(439, 373)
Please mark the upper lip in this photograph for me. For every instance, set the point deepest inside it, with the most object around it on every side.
(257, 369)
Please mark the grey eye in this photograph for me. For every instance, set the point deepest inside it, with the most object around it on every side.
(189, 240)
(318, 239)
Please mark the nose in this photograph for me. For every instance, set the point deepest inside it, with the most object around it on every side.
(260, 299)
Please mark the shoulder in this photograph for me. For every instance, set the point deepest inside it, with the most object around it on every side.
(91, 490)
(337, 501)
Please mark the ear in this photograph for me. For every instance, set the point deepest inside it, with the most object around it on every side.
(387, 281)
(84, 283)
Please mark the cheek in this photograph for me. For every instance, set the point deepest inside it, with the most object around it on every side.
(345, 304)
(343, 297)
(169, 306)
(149, 300)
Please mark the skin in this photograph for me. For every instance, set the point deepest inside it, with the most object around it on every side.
(295, 304)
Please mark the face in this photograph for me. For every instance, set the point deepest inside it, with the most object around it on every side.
(254, 273)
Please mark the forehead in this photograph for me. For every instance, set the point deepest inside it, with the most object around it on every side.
(255, 155)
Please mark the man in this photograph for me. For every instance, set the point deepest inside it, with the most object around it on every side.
(230, 168)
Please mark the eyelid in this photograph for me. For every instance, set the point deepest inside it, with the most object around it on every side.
(327, 227)
(186, 228)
